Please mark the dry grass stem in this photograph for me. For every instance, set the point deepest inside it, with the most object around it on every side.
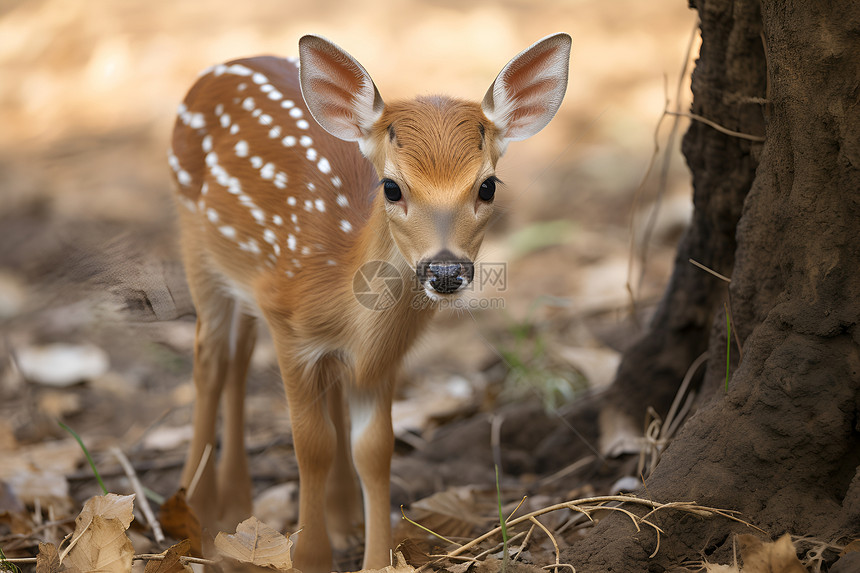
(709, 270)
(198, 473)
(516, 508)
(661, 188)
(592, 504)
(143, 502)
(572, 568)
(551, 538)
(525, 543)
(183, 558)
(718, 127)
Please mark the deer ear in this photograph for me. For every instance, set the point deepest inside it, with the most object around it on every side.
(528, 91)
(338, 91)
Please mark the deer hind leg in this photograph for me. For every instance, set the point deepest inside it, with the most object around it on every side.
(343, 494)
(234, 478)
(223, 344)
(372, 447)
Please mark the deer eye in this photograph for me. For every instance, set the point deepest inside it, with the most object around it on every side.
(487, 190)
(392, 190)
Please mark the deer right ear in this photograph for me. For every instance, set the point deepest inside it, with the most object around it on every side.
(529, 89)
(338, 91)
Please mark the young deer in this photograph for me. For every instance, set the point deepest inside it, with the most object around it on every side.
(281, 216)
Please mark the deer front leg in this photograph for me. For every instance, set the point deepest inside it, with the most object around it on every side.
(372, 447)
(315, 441)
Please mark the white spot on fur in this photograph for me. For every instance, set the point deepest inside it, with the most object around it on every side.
(268, 171)
(197, 121)
(277, 220)
(259, 78)
(234, 129)
(320, 205)
(291, 201)
(239, 70)
(228, 231)
(302, 124)
(207, 143)
(324, 166)
(257, 161)
(241, 148)
(311, 154)
(289, 141)
(265, 119)
(212, 215)
(269, 236)
(296, 112)
(309, 205)
(258, 215)
(275, 132)
(291, 242)
(336, 182)
(342, 200)
(306, 141)
(248, 103)
(183, 177)
(345, 226)
(287, 104)
(225, 120)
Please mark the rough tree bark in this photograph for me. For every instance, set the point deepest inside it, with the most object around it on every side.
(782, 445)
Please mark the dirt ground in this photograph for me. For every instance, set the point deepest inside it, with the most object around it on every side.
(88, 250)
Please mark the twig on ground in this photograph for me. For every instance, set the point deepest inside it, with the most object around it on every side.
(142, 501)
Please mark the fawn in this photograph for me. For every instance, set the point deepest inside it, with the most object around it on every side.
(281, 217)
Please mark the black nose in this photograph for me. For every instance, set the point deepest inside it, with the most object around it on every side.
(445, 272)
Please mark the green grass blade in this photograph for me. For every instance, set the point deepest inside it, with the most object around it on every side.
(86, 453)
(7, 566)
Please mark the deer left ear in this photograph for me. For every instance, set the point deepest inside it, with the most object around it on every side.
(528, 91)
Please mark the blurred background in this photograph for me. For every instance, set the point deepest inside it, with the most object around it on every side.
(88, 92)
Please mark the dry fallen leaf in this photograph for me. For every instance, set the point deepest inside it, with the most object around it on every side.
(48, 559)
(258, 544)
(171, 562)
(99, 542)
(108, 506)
(179, 521)
(769, 557)
(102, 546)
(400, 566)
(454, 512)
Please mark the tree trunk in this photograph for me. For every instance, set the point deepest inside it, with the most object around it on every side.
(782, 445)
